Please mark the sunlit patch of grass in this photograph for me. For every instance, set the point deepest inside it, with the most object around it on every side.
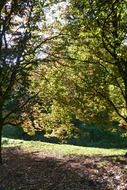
(61, 149)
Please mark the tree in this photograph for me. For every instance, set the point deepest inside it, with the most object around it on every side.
(83, 78)
(23, 37)
(63, 92)
(95, 45)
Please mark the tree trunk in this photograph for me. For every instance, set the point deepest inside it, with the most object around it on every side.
(1, 123)
(0, 144)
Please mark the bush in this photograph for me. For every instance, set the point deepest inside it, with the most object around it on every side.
(10, 131)
(92, 135)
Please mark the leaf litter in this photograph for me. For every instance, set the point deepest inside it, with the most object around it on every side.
(24, 169)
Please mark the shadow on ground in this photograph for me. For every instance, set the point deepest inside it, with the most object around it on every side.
(25, 170)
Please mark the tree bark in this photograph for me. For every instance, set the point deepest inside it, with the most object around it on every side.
(0, 143)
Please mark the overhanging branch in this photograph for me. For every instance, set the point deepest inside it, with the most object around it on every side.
(111, 103)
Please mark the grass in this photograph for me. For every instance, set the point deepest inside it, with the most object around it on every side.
(61, 149)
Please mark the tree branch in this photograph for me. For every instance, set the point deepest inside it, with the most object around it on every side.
(111, 103)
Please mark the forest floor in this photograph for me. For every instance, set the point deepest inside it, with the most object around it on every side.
(47, 168)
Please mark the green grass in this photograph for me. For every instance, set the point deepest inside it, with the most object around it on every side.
(61, 149)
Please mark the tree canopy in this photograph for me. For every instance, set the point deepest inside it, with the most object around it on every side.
(72, 68)
(85, 77)
(95, 47)
(23, 39)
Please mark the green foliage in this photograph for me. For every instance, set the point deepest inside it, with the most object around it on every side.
(12, 132)
(80, 135)
(92, 135)
(86, 72)
(23, 39)
(18, 32)
(82, 74)
(94, 53)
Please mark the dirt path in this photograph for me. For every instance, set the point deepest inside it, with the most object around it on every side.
(26, 170)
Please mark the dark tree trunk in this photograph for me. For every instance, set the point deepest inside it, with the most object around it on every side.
(0, 143)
